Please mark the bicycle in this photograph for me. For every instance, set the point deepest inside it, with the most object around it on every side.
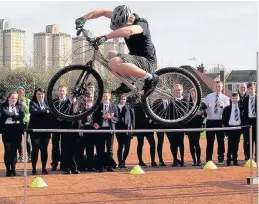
(168, 77)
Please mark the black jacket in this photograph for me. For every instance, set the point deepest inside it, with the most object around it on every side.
(227, 114)
(98, 115)
(246, 110)
(6, 114)
(41, 119)
(126, 118)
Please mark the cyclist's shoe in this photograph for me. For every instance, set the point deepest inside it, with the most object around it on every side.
(121, 89)
(150, 85)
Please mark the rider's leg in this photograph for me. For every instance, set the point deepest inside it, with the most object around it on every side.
(117, 65)
(130, 65)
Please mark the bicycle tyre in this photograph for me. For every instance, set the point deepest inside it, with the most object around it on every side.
(168, 123)
(58, 75)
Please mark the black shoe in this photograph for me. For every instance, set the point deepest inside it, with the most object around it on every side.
(182, 164)
(175, 164)
(120, 166)
(44, 171)
(162, 163)
(235, 163)
(110, 169)
(154, 164)
(14, 173)
(199, 163)
(91, 169)
(34, 172)
(194, 163)
(228, 162)
(75, 171)
(101, 170)
(121, 89)
(8, 173)
(124, 166)
(150, 85)
(142, 163)
(220, 162)
(29, 159)
(68, 171)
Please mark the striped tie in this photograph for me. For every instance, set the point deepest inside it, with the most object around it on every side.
(236, 113)
(253, 106)
(13, 108)
(216, 104)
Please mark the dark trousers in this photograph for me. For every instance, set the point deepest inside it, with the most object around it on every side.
(104, 140)
(10, 151)
(57, 150)
(40, 142)
(176, 140)
(210, 136)
(233, 143)
(151, 140)
(86, 142)
(70, 141)
(160, 143)
(124, 142)
(194, 144)
(28, 144)
(250, 121)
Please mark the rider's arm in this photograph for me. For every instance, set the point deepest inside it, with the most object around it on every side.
(125, 32)
(98, 13)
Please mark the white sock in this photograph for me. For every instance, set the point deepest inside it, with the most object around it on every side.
(148, 76)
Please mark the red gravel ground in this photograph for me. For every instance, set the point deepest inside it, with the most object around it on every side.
(181, 185)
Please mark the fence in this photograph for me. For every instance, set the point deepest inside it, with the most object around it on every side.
(135, 131)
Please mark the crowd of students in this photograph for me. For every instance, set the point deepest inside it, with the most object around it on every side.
(75, 152)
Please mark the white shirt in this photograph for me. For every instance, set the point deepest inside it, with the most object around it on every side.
(232, 121)
(250, 114)
(120, 106)
(210, 100)
(105, 121)
(12, 109)
(42, 107)
(165, 103)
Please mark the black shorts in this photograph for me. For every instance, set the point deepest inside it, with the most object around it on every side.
(140, 62)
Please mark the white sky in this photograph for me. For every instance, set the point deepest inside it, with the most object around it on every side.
(224, 33)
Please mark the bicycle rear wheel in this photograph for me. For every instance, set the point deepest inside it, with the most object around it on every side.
(163, 106)
(76, 79)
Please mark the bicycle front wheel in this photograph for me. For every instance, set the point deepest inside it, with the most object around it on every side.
(78, 81)
(170, 104)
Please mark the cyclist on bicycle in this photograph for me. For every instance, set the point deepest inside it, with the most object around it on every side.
(141, 60)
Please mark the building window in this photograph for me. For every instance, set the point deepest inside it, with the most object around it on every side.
(230, 87)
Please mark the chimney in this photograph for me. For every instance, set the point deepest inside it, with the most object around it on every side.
(200, 68)
(222, 77)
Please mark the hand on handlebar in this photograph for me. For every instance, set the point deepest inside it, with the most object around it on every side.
(101, 40)
(80, 22)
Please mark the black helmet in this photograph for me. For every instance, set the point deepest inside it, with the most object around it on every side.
(120, 17)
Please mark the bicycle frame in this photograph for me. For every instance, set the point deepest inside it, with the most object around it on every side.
(135, 89)
(97, 56)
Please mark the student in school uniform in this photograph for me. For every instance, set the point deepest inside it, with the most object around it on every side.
(143, 122)
(87, 141)
(105, 118)
(40, 118)
(231, 117)
(23, 100)
(160, 107)
(176, 139)
(126, 122)
(249, 118)
(12, 115)
(194, 137)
